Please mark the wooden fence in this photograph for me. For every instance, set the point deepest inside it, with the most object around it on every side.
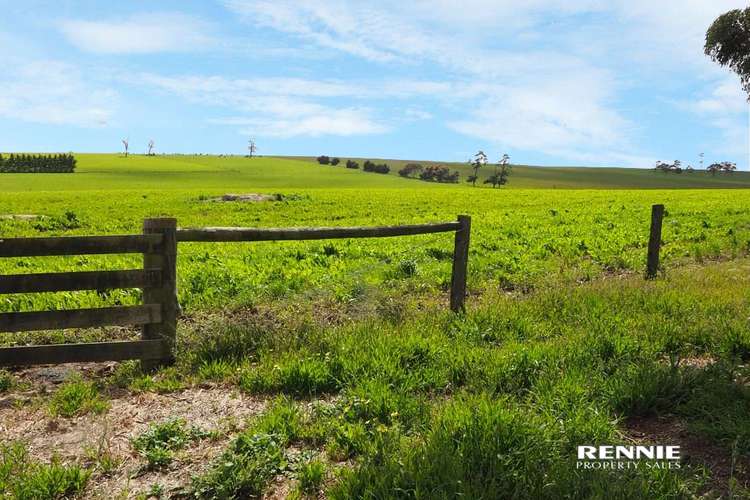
(157, 315)
(158, 279)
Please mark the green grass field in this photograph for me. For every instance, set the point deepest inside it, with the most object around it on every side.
(113, 171)
(373, 389)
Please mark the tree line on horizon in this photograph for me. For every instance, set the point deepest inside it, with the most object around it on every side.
(61, 163)
(713, 169)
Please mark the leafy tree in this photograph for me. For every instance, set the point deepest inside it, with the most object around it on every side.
(480, 160)
(502, 172)
(352, 164)
(675, 167)
(377, 168)
(438, 173)
(728, 43)
(725, 166)
(728, 166)
(324, 160)
(335, 161)
(410, 169)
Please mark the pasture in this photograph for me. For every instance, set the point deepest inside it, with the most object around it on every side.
(333, 367)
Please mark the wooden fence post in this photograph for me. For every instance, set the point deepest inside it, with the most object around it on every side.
(654, 241)
(460, 263)
(164, 258)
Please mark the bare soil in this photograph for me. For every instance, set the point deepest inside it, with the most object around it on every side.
(24, 416)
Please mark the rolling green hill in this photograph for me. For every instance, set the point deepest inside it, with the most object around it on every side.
(237, 173)
(528, 176)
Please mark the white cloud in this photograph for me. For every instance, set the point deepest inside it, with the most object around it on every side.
(502, 95)
(141, 34)
(724, 107)
(569, 115)
(341, 122)
(500, 57)
(725, 96)
(278, 107)
(29, 95)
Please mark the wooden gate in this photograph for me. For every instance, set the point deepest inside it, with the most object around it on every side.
(157, 315)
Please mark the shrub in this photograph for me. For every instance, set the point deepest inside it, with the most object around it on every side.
(25, 163)
(311, 476)
(410, 169)
(381, 168)
(352, 164)
(324, 160)
(6, 381)
(438, 173)
(20, 477)
(77, 397)
(245, 469)
(335, 161)
(160, 440)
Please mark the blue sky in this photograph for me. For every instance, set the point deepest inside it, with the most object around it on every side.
(551, 82)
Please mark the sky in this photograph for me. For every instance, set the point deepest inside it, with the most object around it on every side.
(550, 82)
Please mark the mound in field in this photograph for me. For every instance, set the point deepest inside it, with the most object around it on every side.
(249, 197)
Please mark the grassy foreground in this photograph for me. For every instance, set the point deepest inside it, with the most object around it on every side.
(418, 403)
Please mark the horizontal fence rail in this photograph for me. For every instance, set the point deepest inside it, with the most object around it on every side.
(229, 234)
(76, 353)
(79, 245)
(80, 318)
(86, 280)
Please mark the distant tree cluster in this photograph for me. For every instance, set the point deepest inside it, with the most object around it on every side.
(378, 168)
(674, 167)
(26, 163)
(725, 166)
(433, 173)
(410, 170)
(498, 178)
(327, 160)
(713, 169)
(352, 164)
(502, 172)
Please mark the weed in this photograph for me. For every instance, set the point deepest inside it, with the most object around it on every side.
(244, 470)
(23, 478)
(158, 443)
(77, 397)
(6, 381)
(311, 476)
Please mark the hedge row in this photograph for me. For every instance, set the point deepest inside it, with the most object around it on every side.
(26, 164)
(368, 166)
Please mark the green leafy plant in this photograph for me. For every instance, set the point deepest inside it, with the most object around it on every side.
(160, 440)
(77, 397)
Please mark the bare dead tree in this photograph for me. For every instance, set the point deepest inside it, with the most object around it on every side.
(150, 147)
(251, 147)
(126, 143)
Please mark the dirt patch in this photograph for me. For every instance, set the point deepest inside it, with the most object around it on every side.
(20, 217)
(698, 362)
(694, 450)
(80, 439)
(249, 197)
